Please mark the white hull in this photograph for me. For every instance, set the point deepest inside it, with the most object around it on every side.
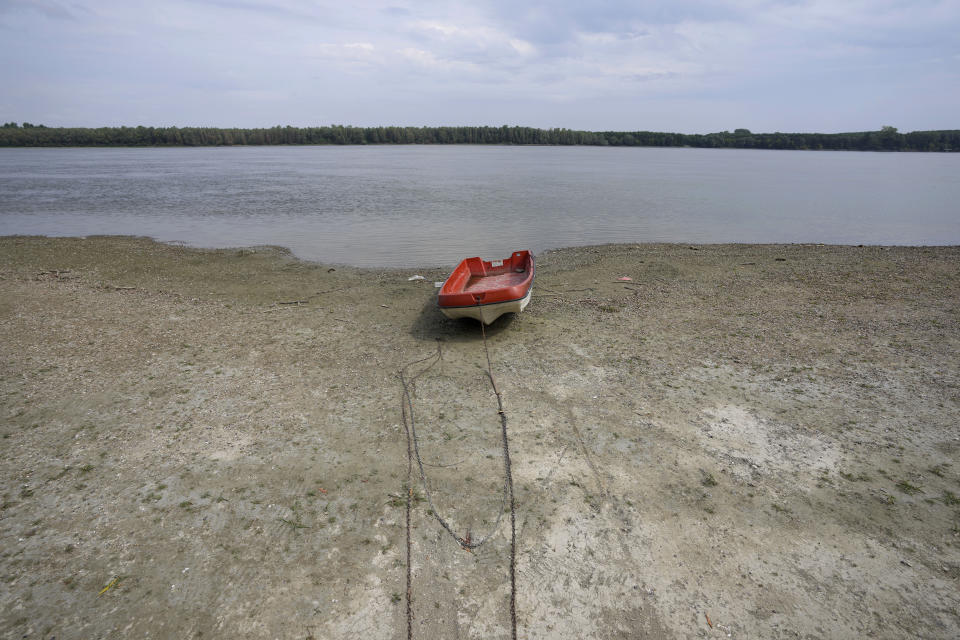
(487, 313)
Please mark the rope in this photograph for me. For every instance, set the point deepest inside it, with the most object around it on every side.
(409, 569)
(507, 471)
(410, 425)
(413, 447)
(409, 497)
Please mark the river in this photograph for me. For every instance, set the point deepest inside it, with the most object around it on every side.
(432, 205)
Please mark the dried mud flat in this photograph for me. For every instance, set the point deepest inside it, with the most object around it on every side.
(741, 442)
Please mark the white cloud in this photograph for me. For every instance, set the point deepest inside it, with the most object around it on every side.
(348, 51)
(522, 47)
(421, 57)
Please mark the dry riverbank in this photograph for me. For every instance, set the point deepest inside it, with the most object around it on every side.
(743, 441)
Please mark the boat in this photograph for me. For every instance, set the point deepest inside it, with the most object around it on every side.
(485, 290)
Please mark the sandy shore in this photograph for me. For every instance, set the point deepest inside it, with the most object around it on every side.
(743, 441)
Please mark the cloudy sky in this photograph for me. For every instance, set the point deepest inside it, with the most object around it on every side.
(692, 66)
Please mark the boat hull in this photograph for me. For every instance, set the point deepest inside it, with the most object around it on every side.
(487, 313)
(485, 290)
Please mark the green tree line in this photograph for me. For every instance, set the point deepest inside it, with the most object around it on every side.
(886, 139)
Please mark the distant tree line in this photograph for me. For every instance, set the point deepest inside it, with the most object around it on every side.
(886, 139)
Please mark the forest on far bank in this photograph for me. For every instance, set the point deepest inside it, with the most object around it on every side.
(888, 138)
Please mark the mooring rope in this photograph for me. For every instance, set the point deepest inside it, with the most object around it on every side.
(410, 424)
(410, 496)
(508, 472)
(413, 450)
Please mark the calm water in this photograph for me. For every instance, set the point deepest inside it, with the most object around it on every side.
(416, 205)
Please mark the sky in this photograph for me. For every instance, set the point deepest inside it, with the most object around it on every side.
(690, 66)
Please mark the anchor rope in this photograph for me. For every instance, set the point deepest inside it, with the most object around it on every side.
(413, 451)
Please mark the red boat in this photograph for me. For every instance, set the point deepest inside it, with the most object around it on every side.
(485, 290)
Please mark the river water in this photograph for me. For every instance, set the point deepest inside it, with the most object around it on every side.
(432, 205)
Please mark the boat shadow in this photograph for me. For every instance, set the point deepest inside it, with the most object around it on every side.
(431, 325)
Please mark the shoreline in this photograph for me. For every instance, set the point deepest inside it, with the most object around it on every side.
(465, 144)
(287, 251)
(754, 440)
